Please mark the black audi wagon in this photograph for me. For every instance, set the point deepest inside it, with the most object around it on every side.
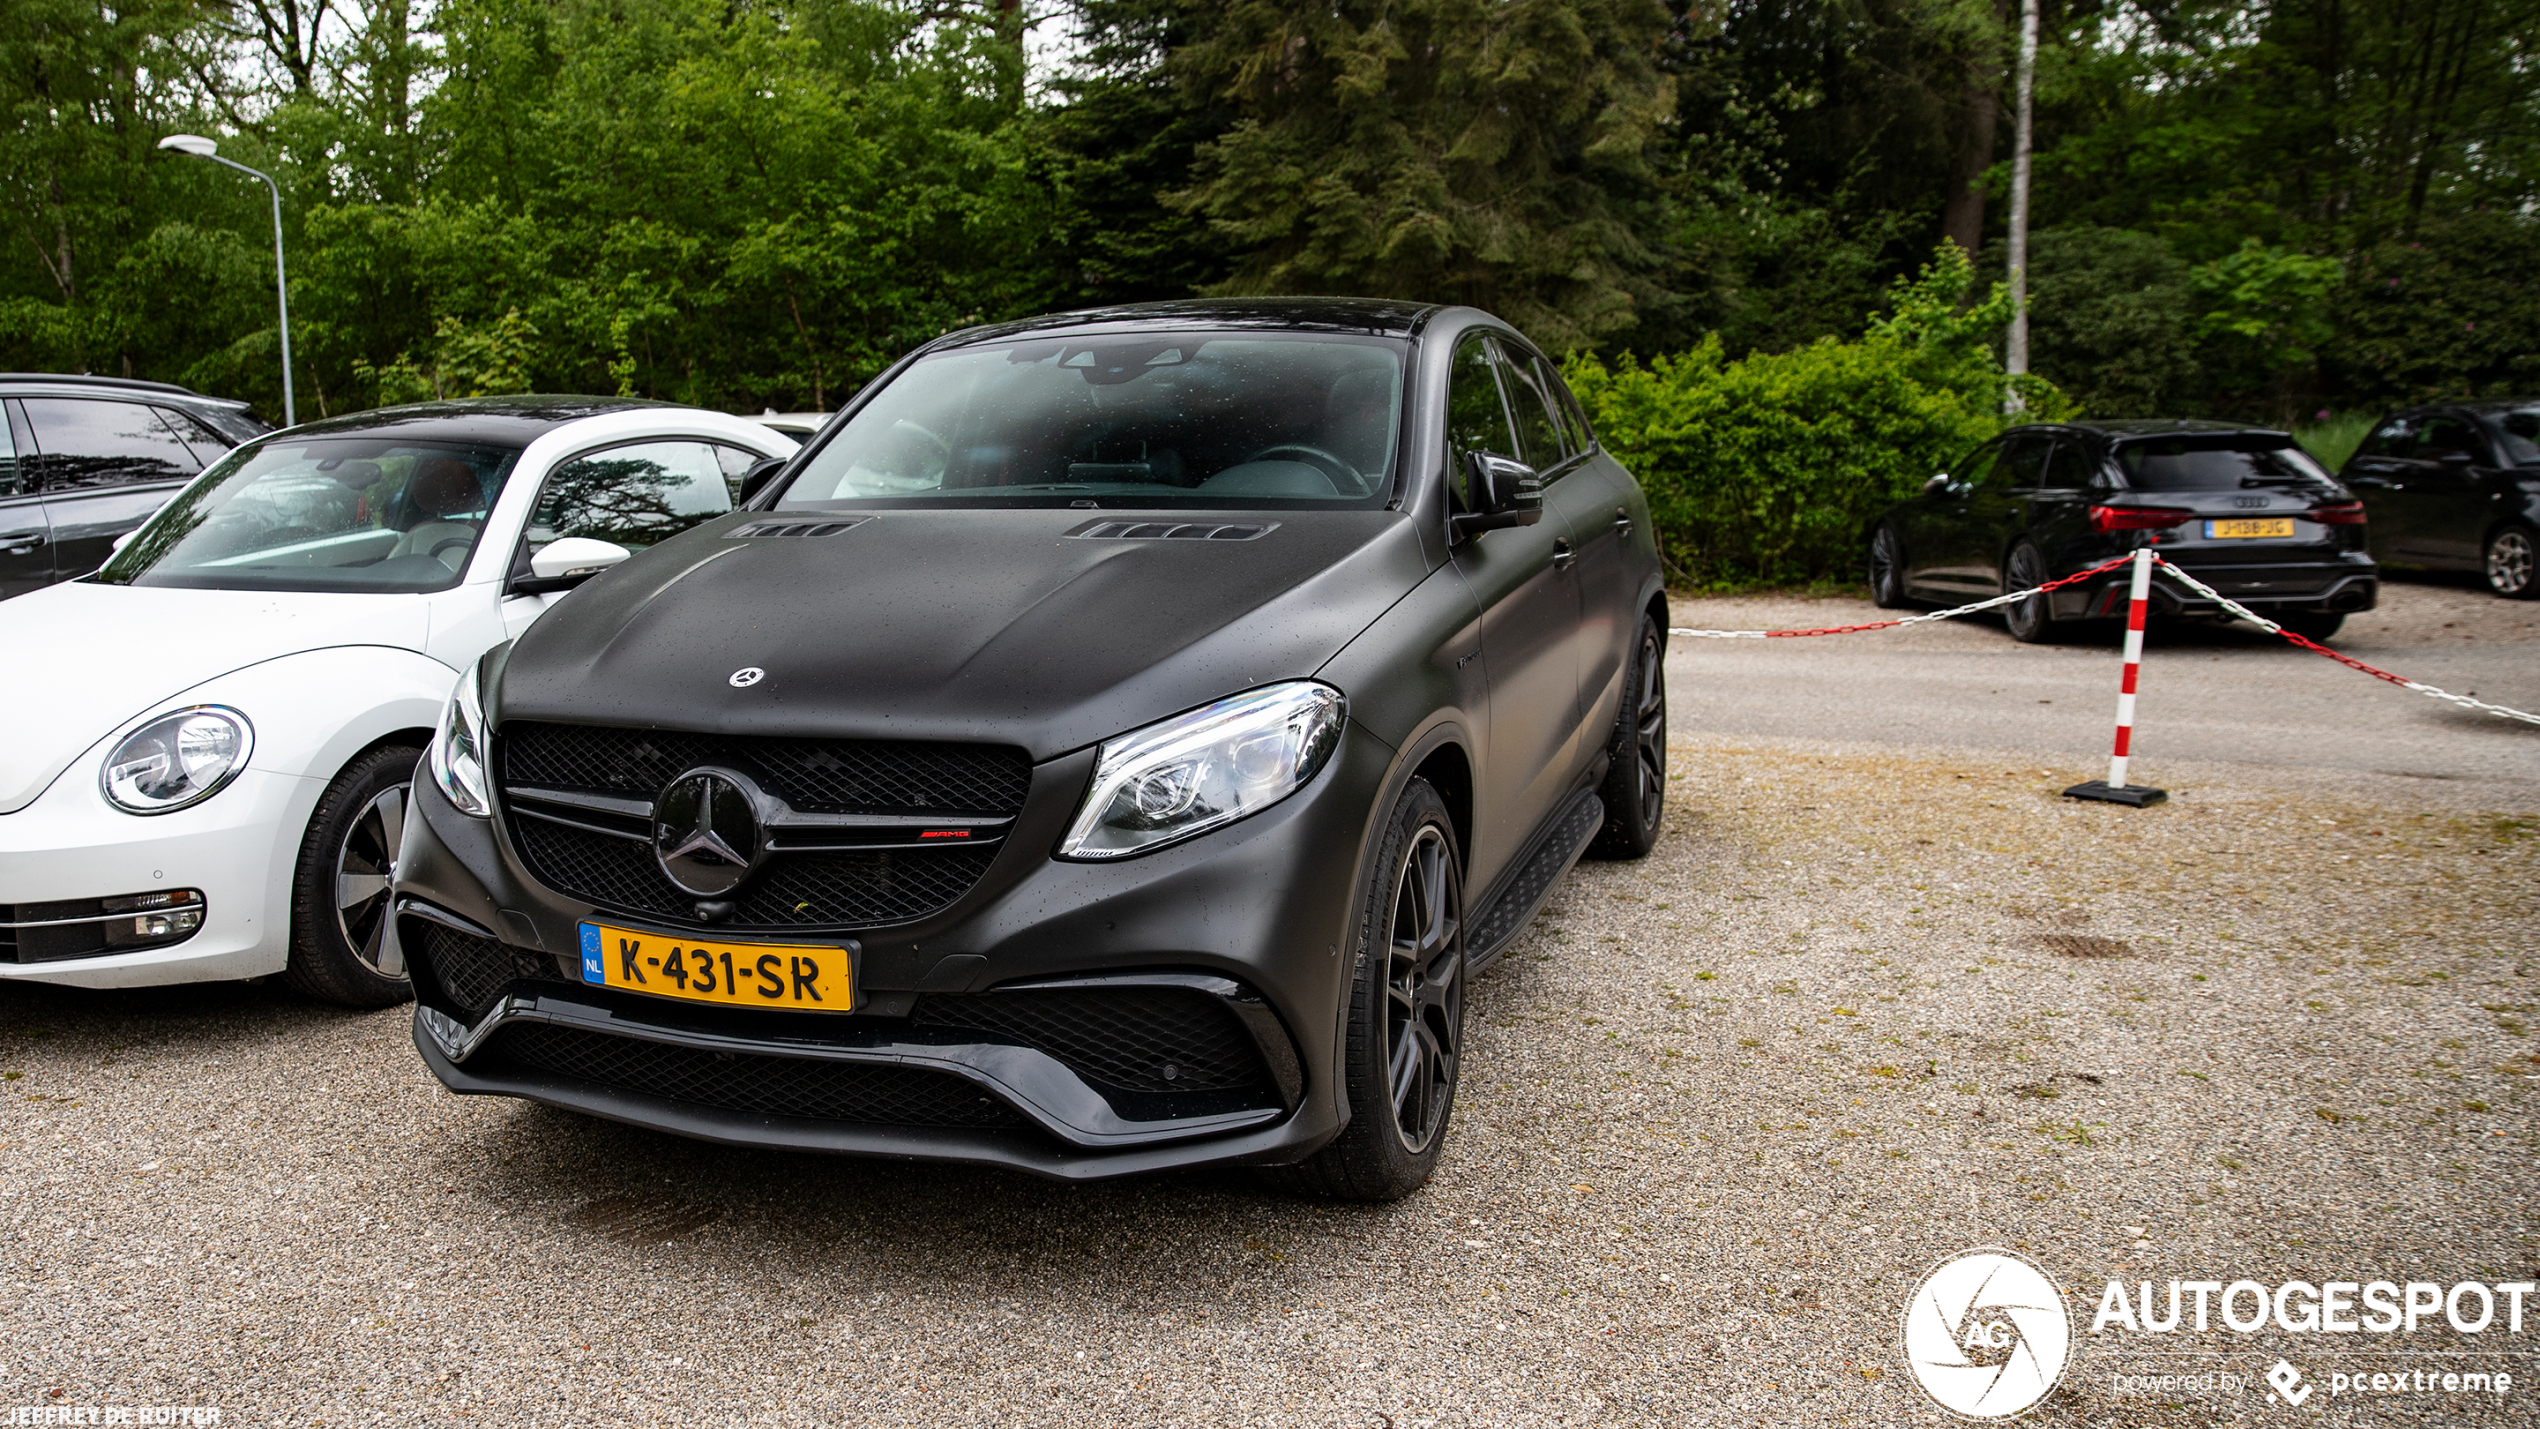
(1114, 742)
(2243, 509)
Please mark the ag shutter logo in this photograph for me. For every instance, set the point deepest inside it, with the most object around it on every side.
(1987, 1334)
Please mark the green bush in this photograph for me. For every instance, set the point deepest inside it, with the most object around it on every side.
(1767, 470)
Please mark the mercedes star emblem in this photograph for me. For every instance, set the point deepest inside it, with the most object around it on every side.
(747, 676)
(706, 831)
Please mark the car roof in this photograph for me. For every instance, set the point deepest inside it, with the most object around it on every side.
(130, 385)
(1383, 317)
(512, 421)
(2123, 427)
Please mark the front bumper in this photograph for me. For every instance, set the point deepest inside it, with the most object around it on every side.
(1037, 1022)
(71, 845)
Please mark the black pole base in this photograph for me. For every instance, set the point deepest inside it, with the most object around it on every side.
(2132, 795)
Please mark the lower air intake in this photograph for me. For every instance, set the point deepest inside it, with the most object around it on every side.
(754, 1084)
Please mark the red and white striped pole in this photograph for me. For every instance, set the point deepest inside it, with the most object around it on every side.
(2114, 789)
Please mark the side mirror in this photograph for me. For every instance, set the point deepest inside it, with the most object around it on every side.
(125, 539)
(566, 563)
(1937, 486)
(1503, 493)
(761, 471)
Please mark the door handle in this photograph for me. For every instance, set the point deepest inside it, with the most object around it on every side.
(1622, 523)
(19, 545)
(1562, 555)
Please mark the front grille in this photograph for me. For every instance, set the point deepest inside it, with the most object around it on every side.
(472, 970)
(796, 888)
(755, 1084)
(824, 776)
(829, 889)
(1133, 1039)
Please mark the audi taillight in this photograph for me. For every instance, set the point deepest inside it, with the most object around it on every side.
(2138, 518)
(2339, 513)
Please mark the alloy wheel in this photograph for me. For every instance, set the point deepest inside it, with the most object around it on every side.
(1887, 568)
(1649, 738)
(362, 865)
(2026, 568)
(1424, 989)
(2509, 562)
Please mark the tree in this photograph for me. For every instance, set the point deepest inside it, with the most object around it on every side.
(1492, 152)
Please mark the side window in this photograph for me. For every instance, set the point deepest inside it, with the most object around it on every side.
(1475, 419)
(633, 495)
(2022, 466)
(2449, 434)
(85, 443)
(207, 445)
(8, 461)
(2071, 468)
(1538, 436)
(736, 463)
(1574, 422)
(2393, 438)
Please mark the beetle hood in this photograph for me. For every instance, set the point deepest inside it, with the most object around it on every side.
(999, 626)
(85, 659)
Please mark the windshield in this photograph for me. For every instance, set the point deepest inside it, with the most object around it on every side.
(321, 514)
(1174, 420)
(2227, 463)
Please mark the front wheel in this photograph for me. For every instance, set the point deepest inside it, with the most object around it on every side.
(2509, 563)
(1635, 789)
(1887, 570)
(339, 891)
(2029, 621)
(1406, 1013)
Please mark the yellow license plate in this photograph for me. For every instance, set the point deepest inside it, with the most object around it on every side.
(786, 975)
(2254, 528)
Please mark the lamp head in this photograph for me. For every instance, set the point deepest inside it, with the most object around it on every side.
(191, 144)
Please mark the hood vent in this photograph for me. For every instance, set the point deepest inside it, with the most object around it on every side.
(769, 530)
(1172, 531)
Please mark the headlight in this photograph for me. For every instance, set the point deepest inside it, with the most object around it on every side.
(1205, 769)
(178, 759)
(458, 749)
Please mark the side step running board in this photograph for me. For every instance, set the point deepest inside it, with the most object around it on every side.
(1490, 931)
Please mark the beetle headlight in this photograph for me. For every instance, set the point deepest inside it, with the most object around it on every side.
(177, 759)
(1205, 769)
(458, 749)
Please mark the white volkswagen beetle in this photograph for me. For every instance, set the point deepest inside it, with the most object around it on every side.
(206, 747)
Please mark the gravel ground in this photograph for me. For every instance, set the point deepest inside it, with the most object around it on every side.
(1723, 1108)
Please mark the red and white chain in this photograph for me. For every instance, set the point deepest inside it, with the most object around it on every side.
(2245, 613)
(1950, 614)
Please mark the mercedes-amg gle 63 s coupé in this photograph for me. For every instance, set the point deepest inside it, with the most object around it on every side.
(1112, 743)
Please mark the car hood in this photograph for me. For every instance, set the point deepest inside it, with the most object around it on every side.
(85, 658)
(984, 626)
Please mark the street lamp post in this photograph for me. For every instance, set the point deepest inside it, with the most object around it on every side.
(203, 148)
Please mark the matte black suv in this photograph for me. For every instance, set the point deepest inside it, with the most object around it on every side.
(87, 459)
(1111, 744)
(2243, 509)
(2457, 488)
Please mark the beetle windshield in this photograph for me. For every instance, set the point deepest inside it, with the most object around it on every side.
(321, 514)
(2225, 463)
(1172, 419)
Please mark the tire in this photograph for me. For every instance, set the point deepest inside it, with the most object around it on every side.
(1635, 788)
(1887, 570)
(2312, 627)
(1406, 1014)
(339, 889)
(2511, 563)
(2030, 621)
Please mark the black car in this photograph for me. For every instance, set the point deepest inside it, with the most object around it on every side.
(89, 458)
(2243, 509)
(2456, 488)
(1112, 744)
